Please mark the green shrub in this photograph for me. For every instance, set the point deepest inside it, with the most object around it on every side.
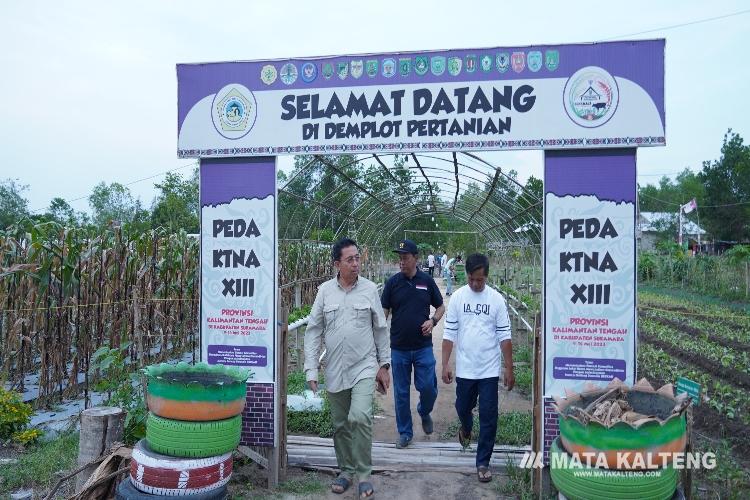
(295, 382)
(15, 415)
(27, 437)
(299, 313)
(522, 353)
(311, 422)
(646, 266)
(124, 389)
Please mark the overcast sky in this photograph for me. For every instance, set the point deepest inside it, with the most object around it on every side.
(90, 91)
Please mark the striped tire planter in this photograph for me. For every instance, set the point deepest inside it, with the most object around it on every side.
(126, 491)
(650, 438)
(580, 482)
(198, 393)
(178, 438)
(158, 474)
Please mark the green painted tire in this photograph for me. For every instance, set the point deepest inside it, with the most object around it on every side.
(178, 438)
(590, 483)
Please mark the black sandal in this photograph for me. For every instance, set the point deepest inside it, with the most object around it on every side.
(366, 490)
(342, 482)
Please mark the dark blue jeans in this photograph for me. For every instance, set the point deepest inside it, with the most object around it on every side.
(425, 382)
(467, 392)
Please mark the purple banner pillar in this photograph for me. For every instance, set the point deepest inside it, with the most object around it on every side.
(589, 255)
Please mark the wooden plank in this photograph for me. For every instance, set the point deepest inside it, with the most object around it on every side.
(448, 463)
(253, 455)
(449, 445)
(281, 392)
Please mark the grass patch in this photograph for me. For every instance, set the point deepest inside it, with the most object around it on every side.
(523, 378)
(513, 428)
(729, 479)
(308, 485)
(39, 465)
(518, 484)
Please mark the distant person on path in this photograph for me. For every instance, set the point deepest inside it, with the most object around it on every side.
(348, 319)
(479, 327)
(431, 264)
(409, 294)
(448, 273)
(443, 261)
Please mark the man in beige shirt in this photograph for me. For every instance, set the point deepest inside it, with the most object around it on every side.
(348, 318)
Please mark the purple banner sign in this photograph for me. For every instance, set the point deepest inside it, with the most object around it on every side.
(239, 275)
(589, 268)
(588, 369)
(237, 355)
(575, 96)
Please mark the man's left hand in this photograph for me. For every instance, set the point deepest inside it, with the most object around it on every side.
(383, 379)
(427, 328)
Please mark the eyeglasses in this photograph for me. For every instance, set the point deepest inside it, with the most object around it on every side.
(353, 258)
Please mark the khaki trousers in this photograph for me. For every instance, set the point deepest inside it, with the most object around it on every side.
(351, 413)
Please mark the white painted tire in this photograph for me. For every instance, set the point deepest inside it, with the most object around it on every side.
(159, 474)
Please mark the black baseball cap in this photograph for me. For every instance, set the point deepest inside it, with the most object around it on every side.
(406, 246)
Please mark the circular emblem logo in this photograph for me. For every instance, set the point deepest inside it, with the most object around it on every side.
(234, 111)
(309, 72)
(268, 74)
(591, 97)
(288, 73)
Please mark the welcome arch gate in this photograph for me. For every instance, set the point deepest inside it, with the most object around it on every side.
(588, 106)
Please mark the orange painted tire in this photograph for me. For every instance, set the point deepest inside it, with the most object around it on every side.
(196, 411)
(199, 393)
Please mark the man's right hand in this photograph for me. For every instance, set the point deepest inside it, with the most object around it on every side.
(447, 374)
(313, 386)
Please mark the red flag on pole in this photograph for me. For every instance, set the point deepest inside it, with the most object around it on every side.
(689, 206)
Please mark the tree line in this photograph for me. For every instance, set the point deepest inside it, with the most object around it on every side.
(721, 190)
(174, 208)
(320, 194)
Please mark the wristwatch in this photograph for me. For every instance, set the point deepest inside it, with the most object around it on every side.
(387, 366)
(434, 321)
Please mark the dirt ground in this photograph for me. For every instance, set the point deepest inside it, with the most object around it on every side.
(248, 481)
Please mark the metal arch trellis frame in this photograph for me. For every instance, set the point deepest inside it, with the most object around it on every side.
(484, 214)
(443, 231)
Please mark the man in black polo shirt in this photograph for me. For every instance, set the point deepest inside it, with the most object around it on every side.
(409, 295)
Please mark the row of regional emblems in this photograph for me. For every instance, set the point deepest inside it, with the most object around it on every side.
(502, 62)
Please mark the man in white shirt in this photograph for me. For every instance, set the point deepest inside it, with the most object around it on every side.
(443, 261)
(431, 264)
(479, 326)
